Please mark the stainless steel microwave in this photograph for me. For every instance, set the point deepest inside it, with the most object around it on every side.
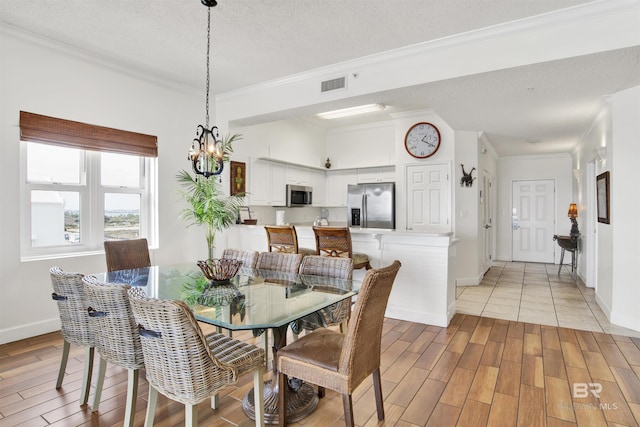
(299, 195)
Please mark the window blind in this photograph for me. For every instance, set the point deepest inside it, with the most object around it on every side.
(67, 133)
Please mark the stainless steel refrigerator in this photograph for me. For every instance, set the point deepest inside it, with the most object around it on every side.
(372, 205)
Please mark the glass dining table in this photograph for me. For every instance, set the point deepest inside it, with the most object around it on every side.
(252, 300)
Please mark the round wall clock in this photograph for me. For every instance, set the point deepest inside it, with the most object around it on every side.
(422, 140)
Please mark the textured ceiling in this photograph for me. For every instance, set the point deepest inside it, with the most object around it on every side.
(260, 40)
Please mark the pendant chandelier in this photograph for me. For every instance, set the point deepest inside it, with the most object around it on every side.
(206, 152)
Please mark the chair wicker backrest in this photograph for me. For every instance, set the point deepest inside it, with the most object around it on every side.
(361, 350)
(282, 262)
(340, 268)
(178, 360)
(68, 292)
(282, 238)
(126, 254)
(115, 329)
(333, 241)
(249, 258)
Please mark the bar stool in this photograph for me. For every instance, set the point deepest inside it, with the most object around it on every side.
(336, 242)
(283, 238)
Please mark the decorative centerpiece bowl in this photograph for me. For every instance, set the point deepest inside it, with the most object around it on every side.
(219, 271)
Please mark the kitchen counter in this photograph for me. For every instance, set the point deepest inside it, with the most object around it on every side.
(424, 290)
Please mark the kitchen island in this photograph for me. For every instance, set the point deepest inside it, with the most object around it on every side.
(424, 290)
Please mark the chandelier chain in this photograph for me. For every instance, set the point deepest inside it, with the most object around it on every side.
(208, 77)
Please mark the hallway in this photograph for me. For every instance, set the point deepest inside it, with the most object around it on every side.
(534, 293)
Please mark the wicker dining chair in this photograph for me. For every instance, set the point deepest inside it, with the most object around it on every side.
(338, 361)
(68, 292)
(116, 336)
(249, 258)
(126, 254)
(336, 242)
(335, 314)
(187, 366)
(278, 261)
(284, 238)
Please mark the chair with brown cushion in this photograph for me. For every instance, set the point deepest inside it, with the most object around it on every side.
(116, 336)
(283, 238)
(336, 242)
(126, 254)
(338, 361)
(184, 364)
(335, 314)
(68, 292)
(249, 258)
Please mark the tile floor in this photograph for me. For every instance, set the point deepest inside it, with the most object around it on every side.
(534, 293)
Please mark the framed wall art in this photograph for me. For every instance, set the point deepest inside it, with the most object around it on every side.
(602, 194)
(238, 178)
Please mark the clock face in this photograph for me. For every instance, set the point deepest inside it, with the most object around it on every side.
(422, 140)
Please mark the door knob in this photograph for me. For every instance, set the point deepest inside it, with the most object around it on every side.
(487, 226)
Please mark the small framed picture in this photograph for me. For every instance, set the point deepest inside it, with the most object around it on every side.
(238, 178)
(602, 194)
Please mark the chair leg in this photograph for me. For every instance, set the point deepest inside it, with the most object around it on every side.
(321, 391)
(132, 395)
(86, 376)
(215, 401)
(377, 388)
(258, 395)
(63, 364)
(190, 415)
(265, 345)
(102, 367)
(282, 399)
(348, 410)
(151, 407)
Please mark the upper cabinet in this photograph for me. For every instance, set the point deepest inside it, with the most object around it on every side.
(380, 174)
(318, 181)
(267, 183)
(298, 175)
(337, 182)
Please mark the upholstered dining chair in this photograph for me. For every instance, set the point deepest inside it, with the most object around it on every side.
(284, 238)
(184, 364)
(336, 242)
(335, 314)
(249, 258)
(116, 336)
(338, 361)
(126, 254)
(68, 292)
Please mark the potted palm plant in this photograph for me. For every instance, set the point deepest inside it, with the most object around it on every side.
(208, 205)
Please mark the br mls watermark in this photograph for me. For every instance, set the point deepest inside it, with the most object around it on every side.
(585, 390)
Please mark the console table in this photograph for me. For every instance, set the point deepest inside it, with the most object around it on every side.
(570, 244)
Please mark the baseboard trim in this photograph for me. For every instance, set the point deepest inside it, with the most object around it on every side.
(29, 330)
(470, 281)
(419, 316)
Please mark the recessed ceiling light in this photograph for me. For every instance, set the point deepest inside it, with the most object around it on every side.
(352, 111)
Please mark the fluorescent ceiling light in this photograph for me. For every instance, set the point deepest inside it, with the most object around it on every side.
(352, 111)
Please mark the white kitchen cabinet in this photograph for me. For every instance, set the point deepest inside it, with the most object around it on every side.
(377, 174)
(337, 182)
(267, 183)
(318, 181)
(298, 175)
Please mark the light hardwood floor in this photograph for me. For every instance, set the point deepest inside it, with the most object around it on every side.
(476, 372)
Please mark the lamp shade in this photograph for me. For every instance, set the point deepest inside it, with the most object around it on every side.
(573, 211)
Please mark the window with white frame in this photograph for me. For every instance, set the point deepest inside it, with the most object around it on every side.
(79, 191)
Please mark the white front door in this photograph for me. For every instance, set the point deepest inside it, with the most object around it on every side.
(532, 220)
(486, 200)
(428, 192)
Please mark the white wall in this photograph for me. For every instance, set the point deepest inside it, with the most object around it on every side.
(46, 79)
(557, 167)
(625, 205)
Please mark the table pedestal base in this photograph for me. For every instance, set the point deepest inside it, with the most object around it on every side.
(300, 402)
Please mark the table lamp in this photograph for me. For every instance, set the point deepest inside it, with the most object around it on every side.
(573, 214)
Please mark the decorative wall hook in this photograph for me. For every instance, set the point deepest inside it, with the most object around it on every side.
(467, 179)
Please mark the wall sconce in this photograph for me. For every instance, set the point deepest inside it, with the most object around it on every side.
(573, 214)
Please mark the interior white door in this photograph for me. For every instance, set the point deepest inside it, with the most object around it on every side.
(486, 200)
(533, 220)
(428, 191)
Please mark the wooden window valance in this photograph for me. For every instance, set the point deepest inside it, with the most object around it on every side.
(67, 133)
